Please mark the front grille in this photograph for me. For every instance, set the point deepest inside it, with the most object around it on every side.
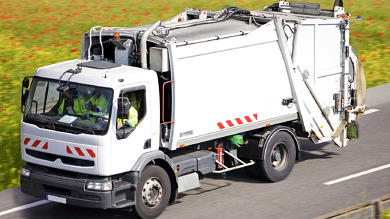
(65, 160)
(57, 191)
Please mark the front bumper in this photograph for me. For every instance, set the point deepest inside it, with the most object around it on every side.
(69, 188)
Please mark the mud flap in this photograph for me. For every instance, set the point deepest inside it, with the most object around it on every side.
(352, 130)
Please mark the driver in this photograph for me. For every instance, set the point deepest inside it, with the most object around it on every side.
(97, 105)
(78, 107)
(133, 115)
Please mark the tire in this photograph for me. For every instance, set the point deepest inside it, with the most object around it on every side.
(153, 192)
(279, 159)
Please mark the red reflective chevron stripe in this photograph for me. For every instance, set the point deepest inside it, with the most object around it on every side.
(230, 123)
(68, 150)
(26, 141)
(220, 125)
(36, 143)
(238, 120)
(45, 146)
(248, 119)
(79, 151)
(90, 152)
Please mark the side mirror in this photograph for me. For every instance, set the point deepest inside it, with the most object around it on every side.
(25, 85)
(25, 82)
(24, 97)
(123, 108)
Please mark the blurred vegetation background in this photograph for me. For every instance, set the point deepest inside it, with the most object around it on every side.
(38, 33)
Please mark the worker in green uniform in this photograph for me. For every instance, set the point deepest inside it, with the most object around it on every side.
(97, 105)
(78, 107)
(132, 121)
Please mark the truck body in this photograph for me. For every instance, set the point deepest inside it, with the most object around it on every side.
(196, 81)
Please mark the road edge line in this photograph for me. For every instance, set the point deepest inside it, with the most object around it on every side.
(31, 205)
(357, 175)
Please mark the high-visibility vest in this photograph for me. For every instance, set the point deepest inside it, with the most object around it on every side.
(100, 104)
(132, 120)
(78, 106)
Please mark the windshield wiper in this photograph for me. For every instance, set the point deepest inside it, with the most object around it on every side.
(42, 122)
(72, 129)
(80, 130)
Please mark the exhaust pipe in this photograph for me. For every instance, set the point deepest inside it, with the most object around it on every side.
(143, 48)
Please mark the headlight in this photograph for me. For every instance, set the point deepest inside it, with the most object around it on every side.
(25, 172)
(99, 186)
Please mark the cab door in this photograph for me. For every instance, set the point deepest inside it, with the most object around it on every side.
(132, 135)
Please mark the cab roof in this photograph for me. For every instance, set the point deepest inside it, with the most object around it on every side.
(98, 73)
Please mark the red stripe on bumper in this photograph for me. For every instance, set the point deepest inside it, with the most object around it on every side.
(36, 143)
(90, 152)
(68, 150)
(79, 151)
(26, 141)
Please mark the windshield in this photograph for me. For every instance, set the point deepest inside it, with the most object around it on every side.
(79, 109)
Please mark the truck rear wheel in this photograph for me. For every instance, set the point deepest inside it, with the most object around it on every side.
(153, 192)
(278, 161)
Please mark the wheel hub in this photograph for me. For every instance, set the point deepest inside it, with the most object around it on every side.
(152, 192)
(278, 156)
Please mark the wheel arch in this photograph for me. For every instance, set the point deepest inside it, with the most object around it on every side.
(160, 159)
(273, 131)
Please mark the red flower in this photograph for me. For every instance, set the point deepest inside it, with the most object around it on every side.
(368, 35)
(370, 18)
(5, 76)
(4, 60)
(381, 34)
(73, 50)
(1, 110)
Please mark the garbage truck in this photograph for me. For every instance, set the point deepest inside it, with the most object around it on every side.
(147, 111)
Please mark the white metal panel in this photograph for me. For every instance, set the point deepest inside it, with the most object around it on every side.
(304, 49)
(228, 80)
(317, 51)
(328, 50)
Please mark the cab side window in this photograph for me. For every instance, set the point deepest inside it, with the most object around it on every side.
(136, 110)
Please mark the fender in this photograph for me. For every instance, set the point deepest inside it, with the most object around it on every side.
(269, 133)
(158, 157)
(146, 158)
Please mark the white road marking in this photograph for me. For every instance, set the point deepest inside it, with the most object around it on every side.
(31, 205)
(357, 174)
(370, 111)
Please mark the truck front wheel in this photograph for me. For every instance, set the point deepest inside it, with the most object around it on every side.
(153, 191)
(278, 161)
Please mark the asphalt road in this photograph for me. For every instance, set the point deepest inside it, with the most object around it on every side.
(310, 190)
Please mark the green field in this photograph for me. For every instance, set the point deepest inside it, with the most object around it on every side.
(37, 33)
